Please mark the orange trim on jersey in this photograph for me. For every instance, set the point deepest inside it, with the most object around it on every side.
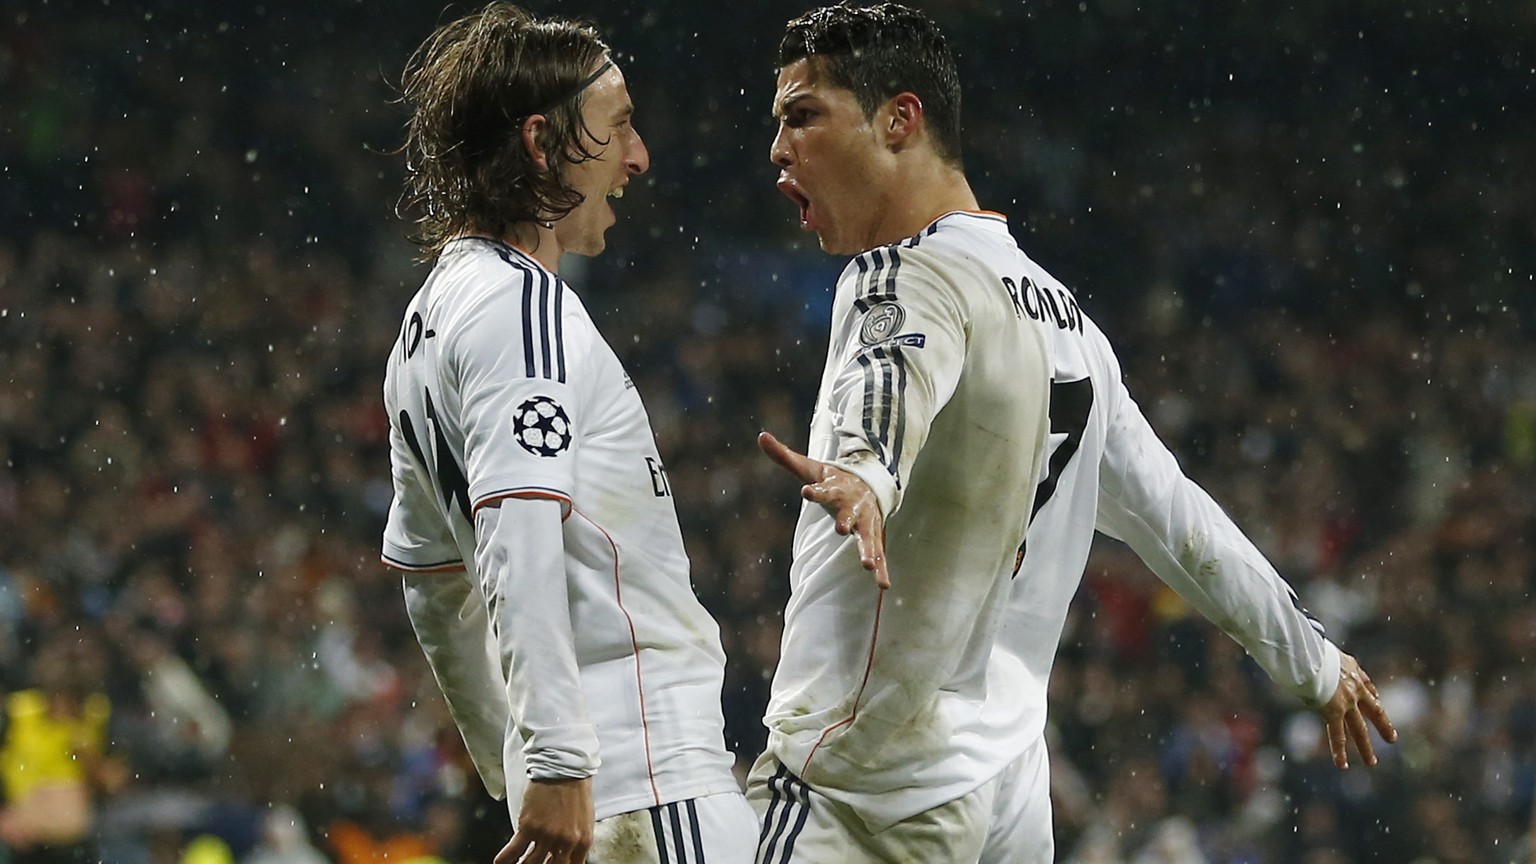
(874, 638)
(634, 641)
(1002, 216)
(445, 568)
(543, 496)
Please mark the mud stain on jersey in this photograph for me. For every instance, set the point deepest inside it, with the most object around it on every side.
(624, 839)
(1194, 557)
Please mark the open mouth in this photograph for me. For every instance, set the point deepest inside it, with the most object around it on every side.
(791, 190)
(617, 192)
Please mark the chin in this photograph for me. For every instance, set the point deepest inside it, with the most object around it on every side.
(835, 246)
(588, 247)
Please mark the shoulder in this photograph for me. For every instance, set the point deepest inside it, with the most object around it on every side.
(497, 297)
(893, 272)
(956, 246)
(475, 276)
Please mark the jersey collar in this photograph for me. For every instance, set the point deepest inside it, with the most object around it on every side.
(992, 218)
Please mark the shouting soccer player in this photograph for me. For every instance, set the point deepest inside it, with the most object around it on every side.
(544, 571)
(907, 715)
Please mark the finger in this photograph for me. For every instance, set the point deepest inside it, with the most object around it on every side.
(882, 575)
(1361, 733)
(872, 550)
(1375, 712)
(848, 519)
(1338, 742)
(873, 558)
(803, 467)
(513, 851)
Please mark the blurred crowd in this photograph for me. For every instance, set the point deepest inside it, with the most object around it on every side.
(1308, 233)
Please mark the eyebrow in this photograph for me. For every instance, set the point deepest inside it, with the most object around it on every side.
(783, 107)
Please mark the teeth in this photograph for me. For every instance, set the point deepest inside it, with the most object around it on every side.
(617, 193)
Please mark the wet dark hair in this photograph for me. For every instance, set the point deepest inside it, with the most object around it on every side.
(878, 52)
(470, 86)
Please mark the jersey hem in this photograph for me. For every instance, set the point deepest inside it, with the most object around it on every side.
(630, 803)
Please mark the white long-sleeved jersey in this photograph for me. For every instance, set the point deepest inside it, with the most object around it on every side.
(1108, 470)
(935, 394)
(501, 387)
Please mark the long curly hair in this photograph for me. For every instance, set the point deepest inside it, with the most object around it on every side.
(470, 87)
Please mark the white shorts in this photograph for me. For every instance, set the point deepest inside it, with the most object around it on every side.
(1006, 820)
(714, 829)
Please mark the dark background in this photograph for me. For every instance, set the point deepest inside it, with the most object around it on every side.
(1307, 229)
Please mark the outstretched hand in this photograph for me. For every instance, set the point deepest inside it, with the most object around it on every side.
(850, 501)
(1353, 703)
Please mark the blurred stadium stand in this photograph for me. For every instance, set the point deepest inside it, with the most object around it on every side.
(1307, 228)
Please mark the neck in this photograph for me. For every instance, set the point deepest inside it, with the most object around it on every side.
(539, 242)
(926, 192)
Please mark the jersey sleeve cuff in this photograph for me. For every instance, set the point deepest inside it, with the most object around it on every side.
(572, 759)
(1327, 681)
(868, 468)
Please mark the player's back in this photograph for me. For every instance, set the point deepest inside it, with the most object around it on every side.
(1109, 472)
(1086, 387)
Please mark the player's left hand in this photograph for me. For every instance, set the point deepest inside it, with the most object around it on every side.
(1353, 703)
(850, 501)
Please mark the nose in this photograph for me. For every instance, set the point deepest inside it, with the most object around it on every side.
(636, 158)
(779, 152)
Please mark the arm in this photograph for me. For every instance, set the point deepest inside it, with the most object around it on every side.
(1196, 548)
(450, 621)
(521, 560)
(897, 355)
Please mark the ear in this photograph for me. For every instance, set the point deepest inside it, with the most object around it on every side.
(533, 128)
(903, 119)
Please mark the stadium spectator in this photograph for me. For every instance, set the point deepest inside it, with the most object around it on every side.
(1302, 226)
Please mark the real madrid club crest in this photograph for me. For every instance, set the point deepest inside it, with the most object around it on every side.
(541, 426)
(881, 322)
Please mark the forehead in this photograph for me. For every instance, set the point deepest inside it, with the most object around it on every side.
(607, 95)
(803, 78)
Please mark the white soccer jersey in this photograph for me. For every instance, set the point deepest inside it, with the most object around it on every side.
(1108, 470)
(500, 385)
(934, 393)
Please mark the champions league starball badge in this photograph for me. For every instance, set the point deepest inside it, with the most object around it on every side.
(881, 322)
(541, 426)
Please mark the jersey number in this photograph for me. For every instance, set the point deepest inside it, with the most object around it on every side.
(1071, 402)
(445, 470)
